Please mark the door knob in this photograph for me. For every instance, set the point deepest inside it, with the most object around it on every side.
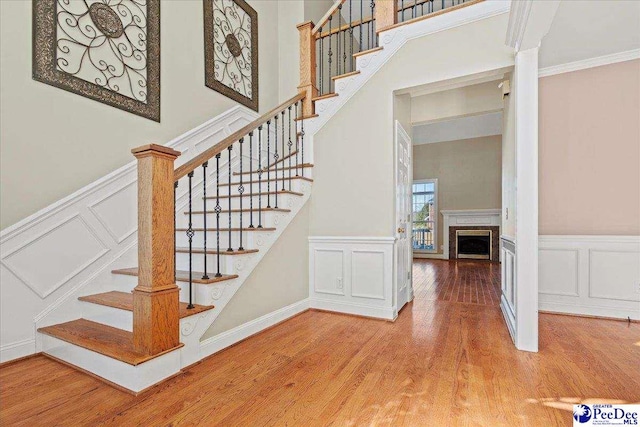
(400, 230)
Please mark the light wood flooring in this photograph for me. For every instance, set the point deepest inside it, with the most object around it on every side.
(447, 361)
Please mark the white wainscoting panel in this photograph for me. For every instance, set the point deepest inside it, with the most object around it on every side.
(508, 283)
(590, 275)
(352, 275)
(69, 248)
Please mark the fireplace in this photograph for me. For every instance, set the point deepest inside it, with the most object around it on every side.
(474, 244)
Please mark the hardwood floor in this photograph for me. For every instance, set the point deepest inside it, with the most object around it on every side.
(446, 361)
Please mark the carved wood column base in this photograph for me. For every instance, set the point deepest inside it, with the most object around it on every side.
(156, 320)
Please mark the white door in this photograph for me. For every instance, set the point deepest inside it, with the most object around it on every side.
(404, 179)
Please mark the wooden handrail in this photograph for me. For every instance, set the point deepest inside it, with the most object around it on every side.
(197, 161)
(345, 27)
(326, 16)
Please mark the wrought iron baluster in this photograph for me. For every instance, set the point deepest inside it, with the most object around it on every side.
(240, 192)
(268, 172)
(290, 143)
(415, 6)
(297, 139)
(401, 10)
(351, 35)
(217, 211)
(260, 176)
(251, 179)
(175, 244)
(321, 62)
(229, 249)
(338, 40)
(190, 234)
(302, 143)
(330, 54)
(275, 158)
(442, 5)
(283, 168)
(204, 217)
(373, 34)
(369, 33)
(360, 25)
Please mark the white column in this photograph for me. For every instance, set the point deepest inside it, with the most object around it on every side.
(526, 105)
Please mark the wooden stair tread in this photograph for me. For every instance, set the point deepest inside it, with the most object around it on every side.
(107, 340)
(285, 168)
(264, 193)
(325, 96)
(238, 210)
(312, 116)
(223, 252)
(124, 301)
(182, 276)
(211, 230)
(279, 179)
(365, 52)
(342, 76)
(293, 153)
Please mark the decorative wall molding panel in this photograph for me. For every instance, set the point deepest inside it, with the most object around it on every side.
(508, 283)
(590, 275)
(106, 51)
(467, 218)
(69, 248)
(352, 275)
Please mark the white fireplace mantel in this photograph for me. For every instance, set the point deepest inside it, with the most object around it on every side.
(469, 218)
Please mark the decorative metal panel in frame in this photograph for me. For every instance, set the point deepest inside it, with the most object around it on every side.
(106, 50)
(231, 50)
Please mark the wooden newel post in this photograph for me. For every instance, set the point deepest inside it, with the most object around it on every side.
(156, 324)
(386, 14)
(307, 67)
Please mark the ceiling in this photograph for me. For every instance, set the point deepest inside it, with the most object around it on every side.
(583, 29)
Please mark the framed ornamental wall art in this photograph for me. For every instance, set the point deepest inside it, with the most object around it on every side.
(231, 50)
(106, 50)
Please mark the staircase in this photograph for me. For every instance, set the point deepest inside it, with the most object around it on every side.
(205, 225)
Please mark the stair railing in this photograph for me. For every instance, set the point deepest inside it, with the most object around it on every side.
(156, 298)
(411, 9)
(329, 48)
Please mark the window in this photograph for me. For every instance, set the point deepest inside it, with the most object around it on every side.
(425, 215)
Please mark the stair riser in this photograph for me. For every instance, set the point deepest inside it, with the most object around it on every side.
(115, 317)
(134, 378)
(268, 219)
(248, 239)
(226, 263)
(284, 200)
(125, 283)
(255, 176)
(296, 185)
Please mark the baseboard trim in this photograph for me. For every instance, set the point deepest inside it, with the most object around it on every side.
(427, 256)
(610, 313)
(17, 350)
(588, 316)
(240, 333)
(354, 309)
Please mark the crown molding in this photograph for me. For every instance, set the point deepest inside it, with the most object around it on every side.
(584, 64)
(518, 17)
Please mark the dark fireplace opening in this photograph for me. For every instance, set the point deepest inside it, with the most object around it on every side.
(473, 244)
